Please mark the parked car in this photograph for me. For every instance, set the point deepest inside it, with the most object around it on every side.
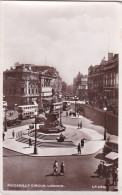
(13, 122)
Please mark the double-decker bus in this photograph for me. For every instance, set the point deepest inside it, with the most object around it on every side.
(66, 105)
(27, 111)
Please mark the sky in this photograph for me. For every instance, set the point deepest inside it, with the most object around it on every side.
(69, 36)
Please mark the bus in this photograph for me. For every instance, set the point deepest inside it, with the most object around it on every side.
(27, 111)
(66, 105)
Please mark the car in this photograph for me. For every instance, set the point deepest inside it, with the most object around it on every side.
(13, 122)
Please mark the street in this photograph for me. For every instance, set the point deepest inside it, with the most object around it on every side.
(31, 171)
(23, 172)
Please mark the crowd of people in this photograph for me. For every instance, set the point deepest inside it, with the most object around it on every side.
(110, 173)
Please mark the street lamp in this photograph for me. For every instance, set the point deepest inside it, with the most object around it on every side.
(15, 107)
(5, 123)
(60, 116)
(75, 103)
(35, 148)
(105, 109)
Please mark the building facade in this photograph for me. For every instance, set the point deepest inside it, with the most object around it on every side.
(80, 86)
(103, 82)
(64, 89)
(26, 83)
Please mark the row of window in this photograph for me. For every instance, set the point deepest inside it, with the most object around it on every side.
(25, 108)
(28, 113)
(33, 91)
(29, 107)
(110, 82)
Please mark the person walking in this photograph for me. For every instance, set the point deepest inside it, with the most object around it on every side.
(100, 170)
(82, 143)
(30, 143)
(81, 125)
(79, 149)
(107, 184)
(78, 125)
(3, 136)
(62, 168)
(115, 177)
(13, 134)
(55, 168)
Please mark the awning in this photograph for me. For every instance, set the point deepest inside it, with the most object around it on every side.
(112, 156)
(49, 99)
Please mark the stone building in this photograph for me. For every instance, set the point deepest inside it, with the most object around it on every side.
(64, 89)
(103, 82)
(80, 86)
(26, 83)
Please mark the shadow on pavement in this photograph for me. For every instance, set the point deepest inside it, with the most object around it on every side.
(14, 155)
(52, 174)
(94, 176)
(27, 147)
(76, 154)
(100, 156)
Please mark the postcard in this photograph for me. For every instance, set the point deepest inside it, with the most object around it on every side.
(61, 65)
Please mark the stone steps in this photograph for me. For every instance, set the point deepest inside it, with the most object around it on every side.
(47, 144)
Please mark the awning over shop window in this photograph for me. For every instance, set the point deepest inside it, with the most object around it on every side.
(112, 156)
(48, 99)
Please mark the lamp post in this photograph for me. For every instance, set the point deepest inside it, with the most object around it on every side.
(15, 107)
(75, 103)
(5, 123)
(60, 116)
(35, 148)
(105, 109)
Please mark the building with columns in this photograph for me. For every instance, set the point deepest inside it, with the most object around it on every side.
(26, 83)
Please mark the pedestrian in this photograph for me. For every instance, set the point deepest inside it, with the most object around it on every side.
(107, 184)
(66, 113)
(13, 134)
(81, 125)
(55, 168)
(30, 143)
(3, 136)
(115, 177)
(78, 125)
(62, 168)
(82, 143)
(79, 149)
(100, 170)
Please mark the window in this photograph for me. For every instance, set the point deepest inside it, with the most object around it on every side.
(22, 90)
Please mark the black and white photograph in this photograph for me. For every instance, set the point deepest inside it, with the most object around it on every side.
(60, 96)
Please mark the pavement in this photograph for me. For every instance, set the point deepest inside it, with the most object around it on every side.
(48, 145)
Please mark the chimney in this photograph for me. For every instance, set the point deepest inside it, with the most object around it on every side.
(110, 56)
